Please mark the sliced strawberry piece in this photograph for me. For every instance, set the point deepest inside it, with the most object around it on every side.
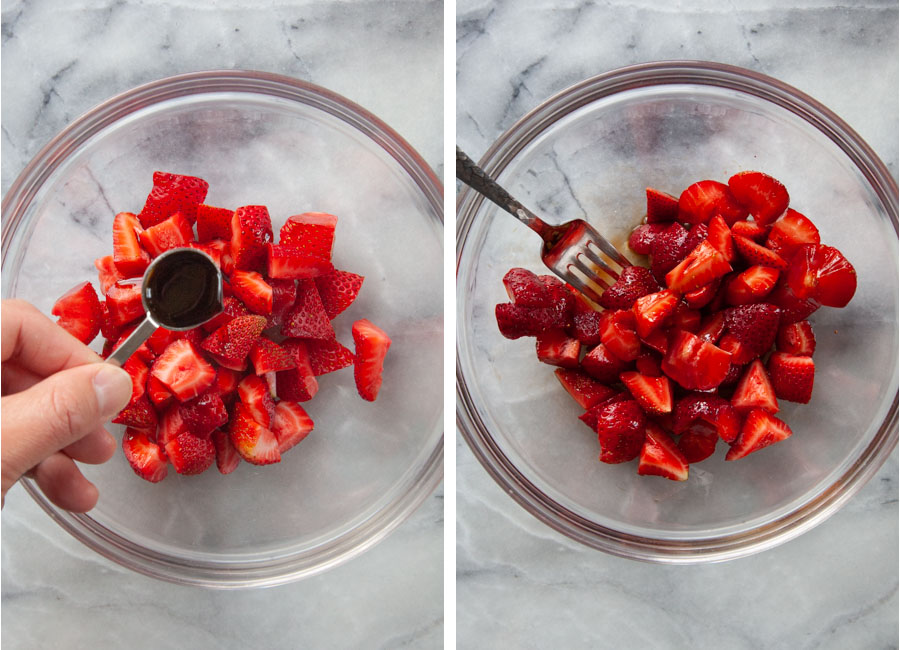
(227, 458)
(171, 425)
(227, 381)
(183, 370)
(754, 390)
(685, 318)
(255, 443)
(231, 343)
(734, 374)
(712, 327)
(107, 273)
(586, 322)
(328, 356)
(173, 193)
(290, 424)
(693, 363)
(562, 297)
(79, 312)
(203, 414)
(702, 265)
(312, 232)
(667, 249)
(792, 376)
(698, 442)
(130, 259)
(372, 344)
(641, 238)
(617, 333)
(251, 230)
(702, 296)
(790, 232)
(143, 454)
(557, 348)
(658, 341)
(653, 394)
(796, 338)
(307, 318)
(710, 408)
(268, 356)
(660, 456)
(213, 223)
(291, 262)
(338, 290)
(526, 289)
(284, 294)
(751, 285)
(703, 200)
(719, 235)
(603, 365)
(765, 197)
(138, 371)
(620, 429)
(161, 338)
(583, 388)
(661, 206)
(124, 303)
(648, 363)
(751, 230)
(170, 233)
(633, 283)
(515, 322)
(590, 416)
(220, 251)
(760, 430)
(755, 326)
(160, 396)
(138, 413)
(251, 289)
(231, 308)
(741, 354)
(791, 307)
(299, 383)
(190, 454)
(823, 274)
(254, 394)
(753, 253)
(652, 310)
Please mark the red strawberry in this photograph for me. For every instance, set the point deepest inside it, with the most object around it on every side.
(213, 223)
(227, 381)
(144, 455)
(702, 296)
(658, 341)
(792, 376)
(161, 338)
(741, 354)
(338, 289)
(586, 322)
(107, 273)
(299, 383)
(685, 318)
(648, 363)
(79, 312)
(183, 370)
(292, 262)
(796, 338)
(712, 327)
(760, 430)
(251, 230)
(654, 394)
(220, 251)
(633, 282)
(693, 363)
(124, 303)
(139, 414)
(562, 296)
(312, 232)
(254, 394)
(138, 371)
(753, 253)
(290, 424)
(171, 425)
(698, 442)
(130, 259)
(823, 274)
(701, 266)
(158, 393)
(790, 232)
(751, 230)
(170, 233)
(660, 456)
(284, 294)
(584, 389)
(253, 291)
(668, 248)
(190, 454)
(754, 390)
(203, 414)
(371, 347)
(558, 349)
(526, 289)
(703, 200)
(765, 197)
(734, 373)
(515, 322)
(173, 193)
(661, 206)
(719, 235)
(617, 333)
(231, 309)
(791, 307)
(590, 416)
(710, 408)
(255, 443)
(652, 310)
(751, 285)
(754, 326)
(231, 343)
(620, 429)
(307, 318)
(268, 356)
(603, 365)
(227, 458)
(641, 238)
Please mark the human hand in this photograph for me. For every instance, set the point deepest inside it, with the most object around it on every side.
(56, 398)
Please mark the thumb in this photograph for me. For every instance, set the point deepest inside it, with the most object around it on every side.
(56, 412)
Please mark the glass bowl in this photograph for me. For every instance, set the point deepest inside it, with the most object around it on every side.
(589, 152)
(258, 139)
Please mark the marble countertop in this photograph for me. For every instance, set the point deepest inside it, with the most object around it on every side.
(520, 584)
(58, 60)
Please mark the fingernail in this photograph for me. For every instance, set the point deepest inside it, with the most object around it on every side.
(113, 388)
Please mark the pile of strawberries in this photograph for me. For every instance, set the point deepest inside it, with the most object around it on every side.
(701, 345)
(230, 389)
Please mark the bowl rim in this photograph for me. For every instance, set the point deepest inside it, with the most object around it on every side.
(669, 551)
(262, 571)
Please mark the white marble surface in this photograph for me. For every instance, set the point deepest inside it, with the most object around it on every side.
(519, 584)
(61, 58)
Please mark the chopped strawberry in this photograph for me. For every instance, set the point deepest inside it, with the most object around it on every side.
(701, 266)
(79, 312)
(220, 251)
(633, 283)
(823, 274)
(760, 430)
(685, 318)
(161, 338)
(652, 310)
(751, 230)
(741, 354)
(586, 322)
(227, 381)
(143, 454)
(124, 303)
(558, 349)
(661, 206)
(312, 232)
(754, 390)
(667, 249)
(710, 408)
(299, 383)
(719, 235)
(231, 343)
(338, 289)
(138, 371)
(796, 338)
(648, 363)
(251, 289)
(617, 333)
(138, 413)
(254, 442)
(703, 200)
(590, 416)
(790, 232)
(107, 273)
(791, 308)
(702, 296)
(170, 233)
(173, 193)
(734, 373)
(203, 414)
(753, 253)
(658, 341)
(515, 321)
(525, 288)
(291, 262)
(284, 293)
(792, 376)
(183, 370)
(755, 326)
(307, 317)
(712, 327)
(171, 425)
(583, 388)
(130, 259)
(213, 223)
(698, 442)
(371, 347)
(603, 365)
(251, 230)
(231, 309)
(641, 238)
(158, 393)
(190, 454)
(227, 458)
(765, 197)
(751, 285)
(620, 429)
(290, 424)
(328, 355)
(693, 363)
(268, 356)
(654, 394)
(562, 297)
(254, 394)
(660, 456)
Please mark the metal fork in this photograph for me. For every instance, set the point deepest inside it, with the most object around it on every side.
(572, 250)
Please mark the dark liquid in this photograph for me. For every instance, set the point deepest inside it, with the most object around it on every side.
(183, 290)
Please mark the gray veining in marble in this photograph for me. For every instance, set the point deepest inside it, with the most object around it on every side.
(520, 584)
